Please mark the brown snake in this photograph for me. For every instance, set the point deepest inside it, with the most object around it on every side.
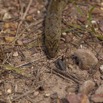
(53, 26)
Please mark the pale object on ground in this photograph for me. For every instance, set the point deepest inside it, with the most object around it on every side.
(87, 87)
(98, 96)
(77, 98)
(85, 59)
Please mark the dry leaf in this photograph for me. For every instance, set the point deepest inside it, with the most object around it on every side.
(29, 18)
(10, 25)
(6, 25)
(9, 39)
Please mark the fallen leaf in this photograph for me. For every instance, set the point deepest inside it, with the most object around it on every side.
(29, 18)
(10, 25)
(9, 39)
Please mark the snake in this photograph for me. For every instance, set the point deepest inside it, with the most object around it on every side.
(52, 29)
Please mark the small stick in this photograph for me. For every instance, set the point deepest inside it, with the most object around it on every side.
(26, 93)
(28, 63)
(22, 19)
(67, 75)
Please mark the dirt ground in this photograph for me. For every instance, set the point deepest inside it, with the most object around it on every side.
(26, 75)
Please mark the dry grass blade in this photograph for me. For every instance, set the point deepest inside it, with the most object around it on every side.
(67, 75)
(22, 19)
(25, 94)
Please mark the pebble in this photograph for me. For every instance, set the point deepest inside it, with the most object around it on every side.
(15, 54)
(64, 33)
(19, 42)
(38, 12)
(77, 98)
(93, 22)
(7, 16)
(87, 87)
(98, 96)
(36, 93)
(1, 93)
(47, 95)
(9, 91)
(101, 69)
(85, 59)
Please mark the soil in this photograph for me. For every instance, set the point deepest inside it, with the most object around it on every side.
(26, 74)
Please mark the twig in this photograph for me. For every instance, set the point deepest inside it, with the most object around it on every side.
(26, 93)
(5, 60)
(31, 91)
(66, 75)
(28, 63)
(31, 100)
(33, 24)
(22, 19)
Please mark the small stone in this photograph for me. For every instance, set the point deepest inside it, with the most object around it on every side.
(101, 8)
(15, 54)
(86, 26)
(47, 95)
(77, 98)
(98, 96)
(96, 78)
(71, 89)
(102, 4)
(96, 29)
(101, 69)
(19, 42)
(63, 36)
(9, 91)
(7, 16)
(87, 87)
(93, 22)
(38, 12)
(36, 93)
(64, 33)
(1, 93)
(85, 59)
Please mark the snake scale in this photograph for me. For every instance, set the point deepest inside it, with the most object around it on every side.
(53, 26)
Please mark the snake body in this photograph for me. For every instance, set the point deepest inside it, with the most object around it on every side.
(53, 26)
